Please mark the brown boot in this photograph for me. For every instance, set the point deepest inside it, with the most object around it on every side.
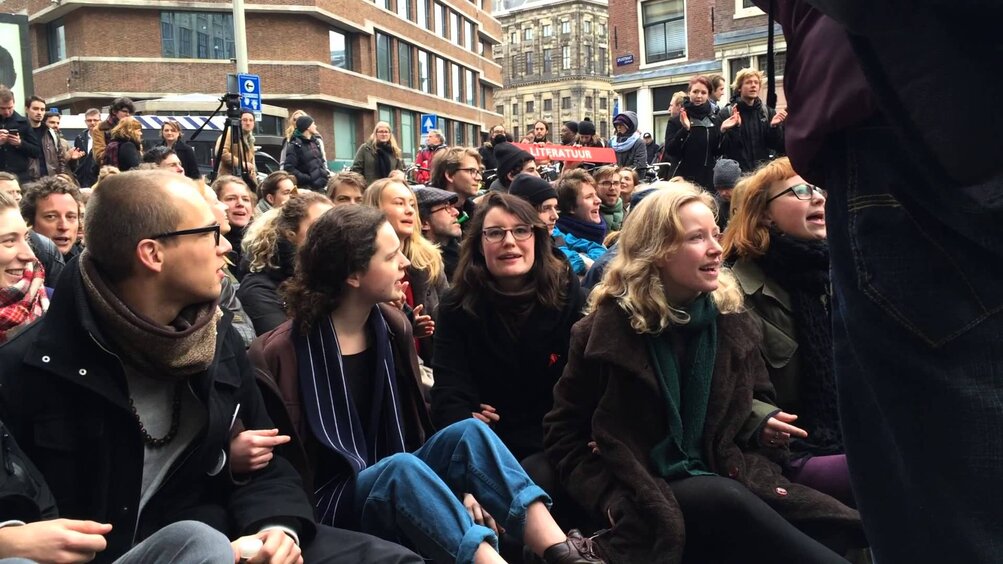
(576, 550)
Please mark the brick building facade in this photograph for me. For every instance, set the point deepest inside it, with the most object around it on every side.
(555, 62)
(348, 63)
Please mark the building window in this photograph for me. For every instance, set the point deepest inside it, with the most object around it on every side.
(779, 63)
(746, 9)
(344, 135)
(484, 97)
(341, 49)
(566, 103)
(566, 57)
(529, 63)
(527, 34)
(500, 109)
(548, 105)
(440, 20)
(56, 33)
(386, 114)
(421, 9)
(590, 64)
(664, 24)
(456, 91)
(515, 108)
(515, 132)
(468, 35)
(440, 77)
(548, 63)
(530, 107)
(385, 4)
(587, 27)
(211, 28)
(513, 37)
(603, 60)
(565, 26)
(405, 61)
(468, 87)
(404, 9)
(588, 102)
(454, 28)
(548, 30)
(602, 29)
(384, 63)
(423, 72)
(407, 134)
(603, 130)
(602, 103)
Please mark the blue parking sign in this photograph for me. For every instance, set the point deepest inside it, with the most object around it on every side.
(250, 92)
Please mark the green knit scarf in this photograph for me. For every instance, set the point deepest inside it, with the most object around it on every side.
(686, 390)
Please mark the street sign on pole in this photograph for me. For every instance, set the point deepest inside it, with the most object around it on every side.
(428, 123)
(249, 86)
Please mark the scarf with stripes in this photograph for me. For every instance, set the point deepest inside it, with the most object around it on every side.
(361, 436)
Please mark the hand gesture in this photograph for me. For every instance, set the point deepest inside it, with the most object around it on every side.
(59, 540)
(778, 430)
(76, 153)
(487, 414)
(423, 324)
(277, 548)
(3, 136)
(252, 450)
(14, 138)
(684, 119)
(399, 303)
(779, 118)
(734, 120)
(479, 514)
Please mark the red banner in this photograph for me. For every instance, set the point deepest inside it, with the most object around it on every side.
(568, 153)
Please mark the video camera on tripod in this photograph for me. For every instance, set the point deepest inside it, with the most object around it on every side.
(232, 134)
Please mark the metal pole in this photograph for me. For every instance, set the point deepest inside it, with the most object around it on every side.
(240, 36)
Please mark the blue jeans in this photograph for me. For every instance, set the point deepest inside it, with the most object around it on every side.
(917, 273)
(415, 498)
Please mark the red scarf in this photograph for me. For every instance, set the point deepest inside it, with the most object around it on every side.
(23, 302)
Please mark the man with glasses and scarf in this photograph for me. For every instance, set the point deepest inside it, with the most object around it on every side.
(126, 394)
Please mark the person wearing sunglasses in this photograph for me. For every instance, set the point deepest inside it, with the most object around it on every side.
(503, 330)
(777, 240)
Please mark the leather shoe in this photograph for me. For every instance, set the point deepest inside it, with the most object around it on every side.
(576, 550)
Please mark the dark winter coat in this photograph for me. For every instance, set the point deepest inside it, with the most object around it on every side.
(610, 393)
(24, 495)
(305, 160)
(695, 149)
(274, 357)
(477, 362)
(129, 154)
(63, 396)
(427, 293)
(754, 142)
(259, 294)
(86, 168)
(13, 159)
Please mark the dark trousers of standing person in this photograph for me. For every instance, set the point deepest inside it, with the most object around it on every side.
(917, 277)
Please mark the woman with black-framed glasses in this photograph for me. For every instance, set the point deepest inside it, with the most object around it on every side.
(776, 238)
(503, 329)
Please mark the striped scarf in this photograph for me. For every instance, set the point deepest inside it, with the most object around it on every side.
(23, 302)
(361, 438)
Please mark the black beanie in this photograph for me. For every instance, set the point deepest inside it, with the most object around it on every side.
(508, 157)
(586, 128)
(572, 125)
(303, 123)
(532, 188)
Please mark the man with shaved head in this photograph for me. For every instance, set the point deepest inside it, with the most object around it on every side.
(127, 393)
